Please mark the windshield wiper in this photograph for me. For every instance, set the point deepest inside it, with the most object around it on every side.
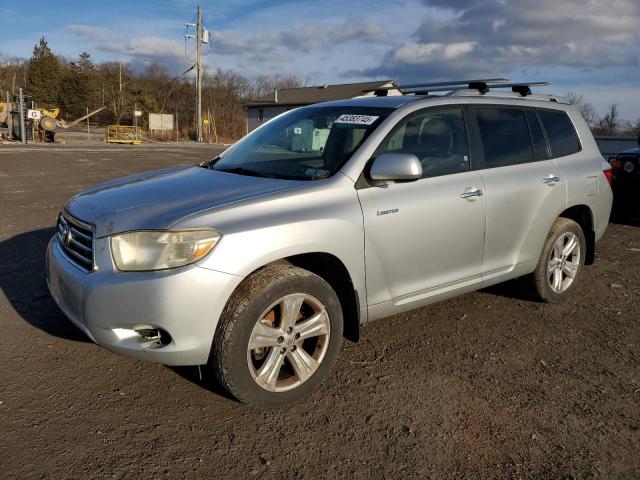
(243, 171)
(209, 163)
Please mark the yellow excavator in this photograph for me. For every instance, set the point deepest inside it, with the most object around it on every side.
(49, 121)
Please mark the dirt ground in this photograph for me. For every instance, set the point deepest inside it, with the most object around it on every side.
(488, 385)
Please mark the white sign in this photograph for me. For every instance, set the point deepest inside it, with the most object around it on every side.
(160, 121)
(34, 114)
(137, 113)
(356, 119)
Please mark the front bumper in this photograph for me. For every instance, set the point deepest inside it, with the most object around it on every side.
(185, 302)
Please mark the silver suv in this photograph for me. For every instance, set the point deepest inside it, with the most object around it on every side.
(258, 262)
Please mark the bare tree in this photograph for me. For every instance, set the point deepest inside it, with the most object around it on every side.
(610, 123)
(266, 84)
(585, 108)
(634, 129)
(115, 88)
(12, 71)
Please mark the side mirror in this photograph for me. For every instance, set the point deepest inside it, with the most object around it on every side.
(396, 166)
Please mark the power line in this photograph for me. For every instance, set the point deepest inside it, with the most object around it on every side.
(170, 85)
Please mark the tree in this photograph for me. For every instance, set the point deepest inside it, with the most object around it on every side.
(116, 87)
(610, 123)
(85, 63)
(634, 129)
(265, 84)
(12, 72)
(78, 87)
(44, 75)
(585, 108)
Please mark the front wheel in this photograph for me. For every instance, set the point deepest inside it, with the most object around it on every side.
(278, 336)
(561, 261)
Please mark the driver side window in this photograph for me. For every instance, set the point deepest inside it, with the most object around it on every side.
(437, 137)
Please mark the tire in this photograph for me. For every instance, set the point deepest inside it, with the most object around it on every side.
(253, 315)
(543, 281)
(47, 124)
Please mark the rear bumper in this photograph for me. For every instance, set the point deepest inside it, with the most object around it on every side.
(185, 302)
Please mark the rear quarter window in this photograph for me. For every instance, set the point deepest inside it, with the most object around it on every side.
(560, 132)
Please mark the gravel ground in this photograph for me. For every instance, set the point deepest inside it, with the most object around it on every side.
(488, 385)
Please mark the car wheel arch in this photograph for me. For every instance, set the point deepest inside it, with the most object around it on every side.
(583, 216)
(333, 270)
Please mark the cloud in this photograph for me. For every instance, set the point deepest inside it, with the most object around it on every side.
(489, 37)
(269, 45)
(140, 50)
(104, 38)
(310, 36)
(264, 46)
(418, 53)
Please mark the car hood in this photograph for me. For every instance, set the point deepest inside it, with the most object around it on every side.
(156, 200)
(633, 151)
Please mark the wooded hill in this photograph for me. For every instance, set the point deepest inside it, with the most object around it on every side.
(76, 84)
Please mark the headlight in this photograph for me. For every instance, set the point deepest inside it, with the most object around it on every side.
(159, 250)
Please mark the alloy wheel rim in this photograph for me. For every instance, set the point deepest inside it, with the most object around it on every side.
(288, 342)
(564, 262)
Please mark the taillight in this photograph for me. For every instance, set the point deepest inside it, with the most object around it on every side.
(615, 163)
(606, 169)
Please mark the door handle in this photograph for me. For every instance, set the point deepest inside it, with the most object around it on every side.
(551, 180)
(470, 193)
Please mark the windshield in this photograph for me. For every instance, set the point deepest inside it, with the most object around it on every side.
(309, 143)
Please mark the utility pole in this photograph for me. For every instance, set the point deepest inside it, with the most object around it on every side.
(199, 75)
(177, 127)
(23, 133)
(119, 92)
(9, 117)
(88, 133)
(201, 36)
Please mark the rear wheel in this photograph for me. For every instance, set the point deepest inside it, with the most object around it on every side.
(278, 337)
(560, 263)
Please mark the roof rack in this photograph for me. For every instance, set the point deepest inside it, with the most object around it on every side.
(382, 91)
(483, 86)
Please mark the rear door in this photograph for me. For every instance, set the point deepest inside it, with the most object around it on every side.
(524, 188)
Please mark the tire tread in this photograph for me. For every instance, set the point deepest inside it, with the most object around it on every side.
(250, 288)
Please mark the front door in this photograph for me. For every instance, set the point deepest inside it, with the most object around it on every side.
(426, 236)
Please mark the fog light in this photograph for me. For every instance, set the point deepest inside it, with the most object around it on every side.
(148, 337)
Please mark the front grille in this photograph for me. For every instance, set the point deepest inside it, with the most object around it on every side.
(76, 238)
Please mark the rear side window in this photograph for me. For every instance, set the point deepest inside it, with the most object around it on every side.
(562, 137)
(505, 136)
(540, 151)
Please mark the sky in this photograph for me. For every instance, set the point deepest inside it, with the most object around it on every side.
(591, 47)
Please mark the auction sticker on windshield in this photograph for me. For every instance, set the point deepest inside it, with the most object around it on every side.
(356, 119)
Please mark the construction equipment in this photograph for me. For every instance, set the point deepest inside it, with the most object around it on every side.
(4, 112)
(124, 134)
(49, 122)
